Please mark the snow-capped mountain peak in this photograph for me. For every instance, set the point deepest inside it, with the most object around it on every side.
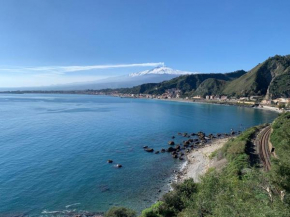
(161, 70)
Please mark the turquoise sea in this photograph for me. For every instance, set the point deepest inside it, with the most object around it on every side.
(54, 149)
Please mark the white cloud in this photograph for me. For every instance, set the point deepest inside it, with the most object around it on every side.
(65, 69)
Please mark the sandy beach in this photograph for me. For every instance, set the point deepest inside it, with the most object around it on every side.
(198, 162)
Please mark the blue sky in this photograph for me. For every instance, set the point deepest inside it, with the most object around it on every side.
(38, 37)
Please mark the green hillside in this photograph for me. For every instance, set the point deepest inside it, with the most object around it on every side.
(186, 83)
(210, 86)
(280, 86)
(258, 80)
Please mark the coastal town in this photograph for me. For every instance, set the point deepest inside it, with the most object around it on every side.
(176, 95)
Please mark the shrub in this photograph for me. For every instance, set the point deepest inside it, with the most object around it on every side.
(120, 212)
(153, 211)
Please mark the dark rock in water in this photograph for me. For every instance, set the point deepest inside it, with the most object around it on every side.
(163, 150)
(218, 135)
(171, 143)
(171, 149)
(119, 165)
(187, 150)
(159, 191)
(201, 135)
(175, 156)
(233, 133)
(149, 149)
(181, 158)
(173, 137)
(181, 154)
(156, 152)
(179, 134)
(193, 134)
(177, 147)
(146, 146)
(110, 161)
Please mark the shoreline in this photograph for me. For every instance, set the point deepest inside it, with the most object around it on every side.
(198, 161)
(264, 107)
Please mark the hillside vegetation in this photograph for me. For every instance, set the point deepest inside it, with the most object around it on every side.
(263, 77)
(280, 139)
(270, 79)
(239, 189)
(186, 83)
(210, 86)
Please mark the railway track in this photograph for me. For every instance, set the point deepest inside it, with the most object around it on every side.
(263, 146)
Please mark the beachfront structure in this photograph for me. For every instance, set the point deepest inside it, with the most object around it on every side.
(266, 102)
(224, 98)
(172, 93)
(280, 101)
(246, 102)
(244, 98)
(255, 98)
(197, 97)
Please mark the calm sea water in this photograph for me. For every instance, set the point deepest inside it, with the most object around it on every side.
(54, 148)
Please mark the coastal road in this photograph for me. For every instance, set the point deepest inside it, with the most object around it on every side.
(262, 143)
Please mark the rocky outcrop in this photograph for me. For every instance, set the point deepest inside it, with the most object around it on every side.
(149, 149)
(171, 149)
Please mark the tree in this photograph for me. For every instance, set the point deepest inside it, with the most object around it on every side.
(120, 212)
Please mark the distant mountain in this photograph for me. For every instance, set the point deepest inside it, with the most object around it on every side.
(161, 70)
(270, 79)
(188, 84)
(115, 82)
(155, 75)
